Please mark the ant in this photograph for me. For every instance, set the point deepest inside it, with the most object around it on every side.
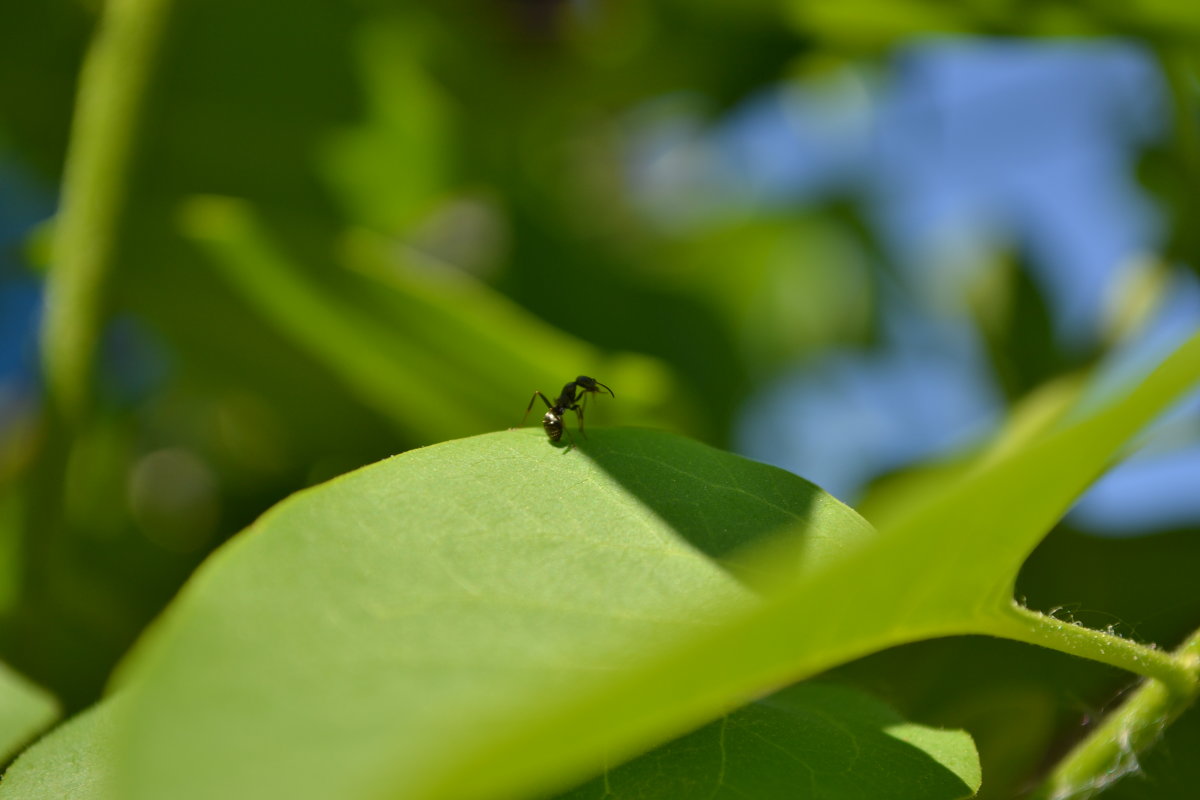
(568, 398)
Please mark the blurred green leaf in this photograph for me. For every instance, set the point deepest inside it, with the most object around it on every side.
(25, 710)
(810, 740)
(388, 170)
(799, 285)
(878, 22)
(1181, 17)
(435, 351)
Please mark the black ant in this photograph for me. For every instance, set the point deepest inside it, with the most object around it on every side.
(568, 399)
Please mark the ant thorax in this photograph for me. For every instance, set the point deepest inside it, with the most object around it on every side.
(553, 424)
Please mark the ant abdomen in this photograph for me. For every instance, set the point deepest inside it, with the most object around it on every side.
(553, 425)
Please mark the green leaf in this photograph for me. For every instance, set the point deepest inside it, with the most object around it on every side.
(497, 616)
(25, 710)
(74, 761)
(361, 634)
(943, 570)
(1018, 701)
(810, 740)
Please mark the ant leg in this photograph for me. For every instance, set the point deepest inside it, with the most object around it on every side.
(578, 409)
(536, 394)
(583, 406)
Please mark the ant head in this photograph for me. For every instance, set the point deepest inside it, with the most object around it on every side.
(592, 385)
(553, 424)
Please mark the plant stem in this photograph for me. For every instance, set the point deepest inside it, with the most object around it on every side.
(1111, 750)
(1033, 627)
(112, 86)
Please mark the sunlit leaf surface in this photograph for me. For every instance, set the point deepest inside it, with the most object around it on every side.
(379, 623)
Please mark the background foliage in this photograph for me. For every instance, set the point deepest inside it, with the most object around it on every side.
(335, 231)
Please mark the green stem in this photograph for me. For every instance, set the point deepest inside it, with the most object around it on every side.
(112, 86)
(1033, 627)
(1111, 750)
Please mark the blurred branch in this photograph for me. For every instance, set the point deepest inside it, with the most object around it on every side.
(109, 105)
(112, 86)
